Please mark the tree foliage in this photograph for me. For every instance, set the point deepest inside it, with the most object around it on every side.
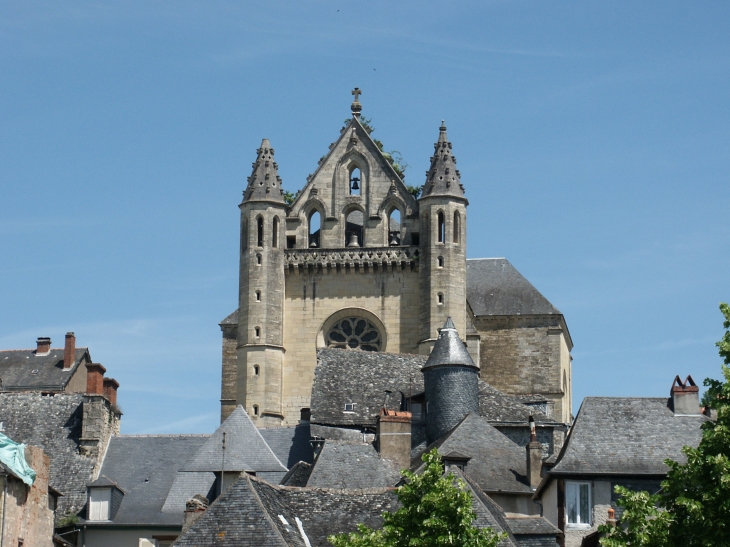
(693, 506)
(436, 511)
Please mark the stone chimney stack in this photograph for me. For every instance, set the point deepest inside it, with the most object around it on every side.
(394, 437)
(44, 345)
(685, 397)
(69, 351)
(110, 389)
(195, 507)
(534, 457)
(95, 379)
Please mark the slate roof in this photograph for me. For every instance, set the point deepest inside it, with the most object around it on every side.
(289, 444)
(449, 349)
(52, 423)
(248, 514)
(497, 464)
(361, 377)
(495, 287)
(352, 465)
(246, 449)
(145, 468)
(298, 475)
(626, 436)
(532, 525)
(23, 369)
(231, 319)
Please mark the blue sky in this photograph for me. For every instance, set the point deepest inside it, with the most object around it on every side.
(592, 138)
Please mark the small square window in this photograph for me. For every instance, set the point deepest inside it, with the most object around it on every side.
(349, 407)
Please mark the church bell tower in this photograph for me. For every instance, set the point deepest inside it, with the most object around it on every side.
(442, 266)
(260, 347)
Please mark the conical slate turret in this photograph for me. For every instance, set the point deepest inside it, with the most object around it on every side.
(264, 184)
(449, 349)
(451, 381)
(443, 178)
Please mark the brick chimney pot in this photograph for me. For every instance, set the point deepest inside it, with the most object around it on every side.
(95, 378)
(110, 389)
(69, 351)
(44, 345)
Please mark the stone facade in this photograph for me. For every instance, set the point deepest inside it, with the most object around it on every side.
(357, 251)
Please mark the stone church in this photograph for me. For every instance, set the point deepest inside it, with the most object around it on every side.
(357, 262)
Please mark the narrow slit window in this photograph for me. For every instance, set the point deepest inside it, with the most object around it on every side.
(257, 332)
(441, 298)
(441, 228)
(260, 231)
(394, 228)
(258, 296)
(441, 261)
(275, 233)
(255, 370)
(457, 226)
(258, 260)
(255, 410)
(244, 234)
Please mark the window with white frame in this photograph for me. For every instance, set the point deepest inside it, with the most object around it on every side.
(99, 503)
(578, 503)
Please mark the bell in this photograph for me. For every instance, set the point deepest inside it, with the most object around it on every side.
(394, 240)
(313, 245)
(353, 240)
(354, 182)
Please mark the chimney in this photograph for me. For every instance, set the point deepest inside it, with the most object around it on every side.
(534, 457)
(69, 351)
(394, 437)
(95, 379)
(195, 507)
(110, 389)
(685, 397)
(44, 345)
(611, 521)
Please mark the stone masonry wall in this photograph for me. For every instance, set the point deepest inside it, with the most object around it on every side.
(522, 356)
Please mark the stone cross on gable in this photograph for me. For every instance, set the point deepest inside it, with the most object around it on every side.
(356, 92)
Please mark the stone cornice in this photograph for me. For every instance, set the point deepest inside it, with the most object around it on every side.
(367, 258)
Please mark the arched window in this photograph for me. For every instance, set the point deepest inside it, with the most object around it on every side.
(315, 225)
(255, 370)
(441, 228)
(257, 332)
(441, 262)
(255, 410)
(258, 296)
(394, 234)
(275, 233)
(260, 231)
(353, 229)
(457, 226)
(355, 181)
(258, 260)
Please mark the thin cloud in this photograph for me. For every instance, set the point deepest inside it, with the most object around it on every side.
(180, 425)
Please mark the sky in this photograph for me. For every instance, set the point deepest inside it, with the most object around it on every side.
(592, 140)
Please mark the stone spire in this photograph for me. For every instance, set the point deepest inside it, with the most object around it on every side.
(443, 178)
(264, 184)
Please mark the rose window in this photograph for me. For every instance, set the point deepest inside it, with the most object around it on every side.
(354, 333)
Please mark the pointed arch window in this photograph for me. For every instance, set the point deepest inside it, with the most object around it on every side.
(355, 181)
(260, 231)
(394, 228)
(441, 228)
(457, 226)
(275, 233)
(353, 229)
(315, 229)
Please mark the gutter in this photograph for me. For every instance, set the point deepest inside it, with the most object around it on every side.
(5, 501)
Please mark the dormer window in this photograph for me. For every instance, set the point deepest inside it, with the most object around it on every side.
(349, 407)
(105, 497)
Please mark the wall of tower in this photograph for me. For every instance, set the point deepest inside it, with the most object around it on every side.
(229, 373)
(442, 268)
(261, 311)
(452, 392)
(316, 297)
(527, 355)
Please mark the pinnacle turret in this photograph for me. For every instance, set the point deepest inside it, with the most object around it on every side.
(449, 349)
(443, 178)
(264, 184)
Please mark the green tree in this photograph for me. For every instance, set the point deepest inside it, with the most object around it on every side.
(693, 506)
(436, 510)
(289, 197)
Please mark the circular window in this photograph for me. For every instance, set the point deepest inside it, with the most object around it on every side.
(354, 333)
